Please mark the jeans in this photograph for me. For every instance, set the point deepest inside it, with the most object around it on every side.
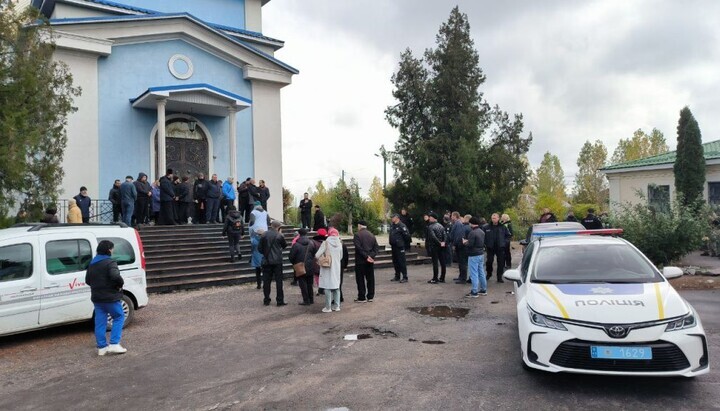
(101, 314)
(212, 210)
(127, 213)
(330, 296)
(476, 265)
(234, 245)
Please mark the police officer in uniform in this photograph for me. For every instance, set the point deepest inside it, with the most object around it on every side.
(400, 241)
(591, 222)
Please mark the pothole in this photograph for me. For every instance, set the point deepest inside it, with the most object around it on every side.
(433, 342)
(381, 332)
(441, 311)
(363, 336)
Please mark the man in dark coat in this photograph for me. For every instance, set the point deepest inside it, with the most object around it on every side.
(305, 207)
(253, 196)
(319, 219)
(435, 244)
(496, 236)
(128, 195)
(263, 194)
(457, 234)
(142, 204)
(181, 191)
(304, 251)
(167, 199)
(200, 188)
(187, 200)
(234, 230)
(407, 220)
(271, 245)
(243, 199)
(399, 242)
(366, 249)
(571, 217)
(591, 222)
(83, 201)
(214, 190)
(114, 197)
(105, 281)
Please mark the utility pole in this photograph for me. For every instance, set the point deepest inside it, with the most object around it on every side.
(343, 175)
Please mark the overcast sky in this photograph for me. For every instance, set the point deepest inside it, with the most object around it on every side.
(576, 70)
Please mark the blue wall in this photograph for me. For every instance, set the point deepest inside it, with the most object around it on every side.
(125, 144)
(225, 12)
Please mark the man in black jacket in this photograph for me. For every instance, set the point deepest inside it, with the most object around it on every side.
(271, 245)
(319, 219)
(496, 236)
(253, 196)
(591, 222)
(263, 194)
(305, 207)
(167, 199)
(144, 197)
(407, 220)
(435, 244)
(475, 249)
(303, 251)
(181, 191)
(200, 188)
(243, 198)
(114, 197)
(186, 201)
(212, 199)
(105, 281)
(399, 242)
(234, 230)
(366, 249)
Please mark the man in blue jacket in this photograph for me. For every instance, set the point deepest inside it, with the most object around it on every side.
(128, 196)
(229, 196)
(83, 201)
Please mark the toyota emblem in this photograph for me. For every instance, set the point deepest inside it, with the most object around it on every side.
(617, 331)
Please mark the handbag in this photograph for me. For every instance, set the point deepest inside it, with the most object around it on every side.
(325, 260)
(299, 268)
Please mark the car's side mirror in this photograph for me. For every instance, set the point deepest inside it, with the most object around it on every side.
(672, 272)
(512, 275)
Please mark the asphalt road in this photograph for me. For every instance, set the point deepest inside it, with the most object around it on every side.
(222, 349)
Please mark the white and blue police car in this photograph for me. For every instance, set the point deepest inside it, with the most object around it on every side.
(597, 305)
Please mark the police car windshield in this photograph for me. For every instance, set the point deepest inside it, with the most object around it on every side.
(592, 263)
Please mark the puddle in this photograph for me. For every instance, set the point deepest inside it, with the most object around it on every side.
(494, 302)
(434, 342)
(363, 336)
(441, 311)
(381, 332)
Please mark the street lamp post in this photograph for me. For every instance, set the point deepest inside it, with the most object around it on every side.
(385, 156)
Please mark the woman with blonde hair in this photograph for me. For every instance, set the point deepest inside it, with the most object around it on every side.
(330, 273)
(74, 215)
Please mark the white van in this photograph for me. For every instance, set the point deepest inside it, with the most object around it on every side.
(42, 273)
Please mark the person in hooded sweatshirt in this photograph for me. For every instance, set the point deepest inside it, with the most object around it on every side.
(144, 197)
(74, 215)
(303, 250)
(105, 281)
(234, 230)
(330, 276)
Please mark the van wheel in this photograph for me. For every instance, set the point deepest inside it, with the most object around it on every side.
(128, 309)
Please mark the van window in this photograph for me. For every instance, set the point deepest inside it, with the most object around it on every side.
(67, 256)
(122, 252)
(16, 262)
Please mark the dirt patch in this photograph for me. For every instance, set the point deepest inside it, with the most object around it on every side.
(441, 311)
(696, 282)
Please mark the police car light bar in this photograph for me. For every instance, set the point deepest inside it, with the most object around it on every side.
(604, 231)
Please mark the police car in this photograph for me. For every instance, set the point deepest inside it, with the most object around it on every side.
(597, 305)
(42, 273)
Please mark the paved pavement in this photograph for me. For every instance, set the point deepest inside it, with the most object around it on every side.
(695, 262)
(222, 349)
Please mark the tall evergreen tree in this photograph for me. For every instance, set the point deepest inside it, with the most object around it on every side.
(689, 167)
(441, 159)
(590, 183)
(36, 95)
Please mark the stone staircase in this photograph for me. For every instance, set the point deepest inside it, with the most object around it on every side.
(196, 256)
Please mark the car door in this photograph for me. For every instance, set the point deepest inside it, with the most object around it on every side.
(66, 297)
(20, 283)
(521, 288)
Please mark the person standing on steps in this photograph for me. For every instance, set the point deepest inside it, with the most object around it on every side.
(399, 242)
(213, 194)
(271, 247)
(234, 230)
(167, 199)
(319, 219)
(436, 244)
(366, 249)
(144, 197)
(263, 194)
(128, 195)
(228, 192)
(114, 197)
(305, 207)
(200, 188)
(259, 223)
(105, 281)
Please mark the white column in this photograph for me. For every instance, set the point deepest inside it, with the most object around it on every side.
(232, 138)
(161, 155)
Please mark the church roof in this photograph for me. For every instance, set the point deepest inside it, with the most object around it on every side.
(164, 16)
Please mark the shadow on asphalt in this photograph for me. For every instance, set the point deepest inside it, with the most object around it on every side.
(83, 328)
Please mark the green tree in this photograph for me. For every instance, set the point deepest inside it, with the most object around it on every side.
(36, 95)
(376, 197)
(550, 178)
(441, 160)
(689, 167)
(640, 145)
(290, 212)
(590, 183)
(345, 198)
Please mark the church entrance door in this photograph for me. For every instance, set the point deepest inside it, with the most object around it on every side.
(186, 151)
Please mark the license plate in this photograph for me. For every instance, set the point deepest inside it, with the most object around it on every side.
(621, 353)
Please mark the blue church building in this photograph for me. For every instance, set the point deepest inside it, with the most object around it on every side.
(184, 84)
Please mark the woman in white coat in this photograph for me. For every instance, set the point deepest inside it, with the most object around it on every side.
(330, 276)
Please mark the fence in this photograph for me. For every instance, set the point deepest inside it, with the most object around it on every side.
(100, 211)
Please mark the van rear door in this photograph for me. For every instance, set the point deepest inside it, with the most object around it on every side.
(65, 297)
(19, 286)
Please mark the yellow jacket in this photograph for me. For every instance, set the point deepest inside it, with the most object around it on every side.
(74, 215)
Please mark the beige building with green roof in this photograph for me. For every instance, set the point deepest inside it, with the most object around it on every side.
(654, 178)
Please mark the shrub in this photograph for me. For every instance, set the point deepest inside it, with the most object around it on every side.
(663, 237)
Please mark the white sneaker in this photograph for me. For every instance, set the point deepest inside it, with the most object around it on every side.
(102, 351)
(336, 309)
(326, 310)
(116, 349)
